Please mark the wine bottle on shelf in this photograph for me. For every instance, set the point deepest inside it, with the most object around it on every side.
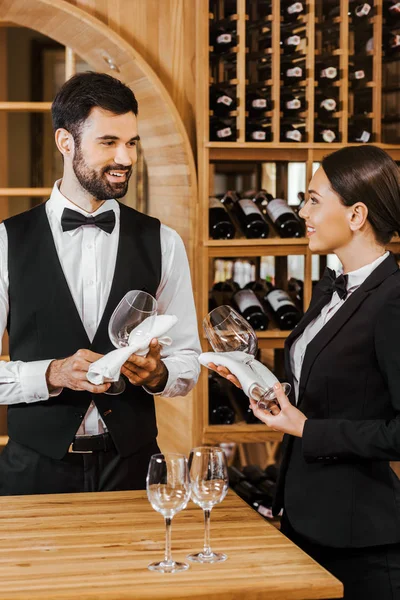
(292, 73)
(272, 472)
(264, 69)
(220, 412)
(285, 220)
(328, 133)
(291, 11)
(222, 291)
(260, 287)
(296, 291)
(222, 130)
(290, 44)
(257, 103)
(251, 309)
(250, 219)
(292, 132)
(283, 309)
(293, 103)
(360, 75)
(326, 105)
(259, 130)
(222, 102)
(254, 473)
(391, 12)
(220, 224)
(362, 11)
(391, 43)
(235, 476)
(326, 74)
(222, 40)
(360, 132)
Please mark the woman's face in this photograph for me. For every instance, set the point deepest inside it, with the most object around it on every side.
(326, 218)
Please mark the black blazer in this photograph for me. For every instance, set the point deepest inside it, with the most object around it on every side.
(335, 482)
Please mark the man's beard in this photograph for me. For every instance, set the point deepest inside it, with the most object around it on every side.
(95, 182)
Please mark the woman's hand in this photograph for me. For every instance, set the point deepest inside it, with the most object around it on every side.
(288, 420)
(225, 373)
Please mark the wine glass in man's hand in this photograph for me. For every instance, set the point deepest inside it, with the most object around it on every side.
(135, 315)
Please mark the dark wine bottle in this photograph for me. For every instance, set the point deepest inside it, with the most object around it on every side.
(260, 287)
(285, 220)
(296, 291)
(259, 130)
(292, 132)
(293, 103)
(291, 11)
(272, 472)
(220, 224)
(326, 105)
(251, 309)
(283, 309)
(360, 74)
(235, 476)
(360, 133)
(250, 218)
(362, 11)
(326, 74)
(222, 40)
(222, 130)
(222, 102)
(391, 12)
(326, 133)
(254, 473)
(290, 44)
(220, 412)
(292, 73)
(391, 43)
(257, 103)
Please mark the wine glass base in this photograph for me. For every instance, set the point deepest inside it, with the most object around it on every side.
(213, 557)
(168, 567)
(116, 388)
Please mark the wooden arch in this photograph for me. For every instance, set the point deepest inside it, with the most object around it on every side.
(168, 154)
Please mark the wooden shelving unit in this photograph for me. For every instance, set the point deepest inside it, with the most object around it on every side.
(308, 152)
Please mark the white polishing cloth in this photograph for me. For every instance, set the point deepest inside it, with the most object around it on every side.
(108, 367)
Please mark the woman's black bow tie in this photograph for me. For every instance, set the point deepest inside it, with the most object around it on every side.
(330, 283)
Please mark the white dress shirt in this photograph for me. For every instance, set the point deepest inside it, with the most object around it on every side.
(299, 346)
(87, 256)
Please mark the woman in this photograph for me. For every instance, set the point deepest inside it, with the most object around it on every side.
(340, 497)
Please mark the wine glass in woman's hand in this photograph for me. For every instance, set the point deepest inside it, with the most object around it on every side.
(134, 314)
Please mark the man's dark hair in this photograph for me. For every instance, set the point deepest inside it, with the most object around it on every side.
(368, 174)
(84, 91)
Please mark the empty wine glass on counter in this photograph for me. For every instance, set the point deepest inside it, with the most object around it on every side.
(168, 490)
(227, 331)
(209, 483)
(135, 313)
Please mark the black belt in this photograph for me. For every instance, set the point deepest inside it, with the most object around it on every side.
(92, 443)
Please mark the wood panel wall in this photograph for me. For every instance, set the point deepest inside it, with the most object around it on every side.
(163, 31)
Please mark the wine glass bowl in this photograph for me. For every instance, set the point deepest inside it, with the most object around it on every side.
(209, 482)
(168, 490)
(133, 317)
(227, 331)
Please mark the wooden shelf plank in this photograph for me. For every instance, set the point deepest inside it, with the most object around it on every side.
(240, 432)
(268, 247)
(25, 106)
(20, 192)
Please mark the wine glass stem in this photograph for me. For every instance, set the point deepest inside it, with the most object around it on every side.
(207, 548)
(168, 556)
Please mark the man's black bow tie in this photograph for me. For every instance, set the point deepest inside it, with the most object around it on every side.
(72, 219)
(330, 283)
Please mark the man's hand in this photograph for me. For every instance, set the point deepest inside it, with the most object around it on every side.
(147, 370)
(71, 373)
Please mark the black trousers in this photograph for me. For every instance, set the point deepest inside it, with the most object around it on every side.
(24, 471)
(371, 573)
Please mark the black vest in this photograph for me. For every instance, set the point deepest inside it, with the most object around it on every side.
(44, 323)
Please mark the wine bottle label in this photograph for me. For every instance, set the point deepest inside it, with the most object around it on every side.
(278, 298)
(395, 9)
(215, 203)
(395, 41)
(278, 207)
(360, 74)
(294, 104)
(329, 72)
(246, 298)
(226, 132)
(224, 38)
(264, 511)
(259, 103)
(248, 206)
(225, 100)
(369, 46)
(293, 40)
(328, 104)
(293, 134)
(258, 135)
(297, 7)
(328, 135)
(364, 137)
(362, 10)
(294, 72)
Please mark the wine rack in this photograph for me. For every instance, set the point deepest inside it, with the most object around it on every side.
(326, 35)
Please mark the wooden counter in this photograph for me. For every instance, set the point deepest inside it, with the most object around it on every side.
(98, 545)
